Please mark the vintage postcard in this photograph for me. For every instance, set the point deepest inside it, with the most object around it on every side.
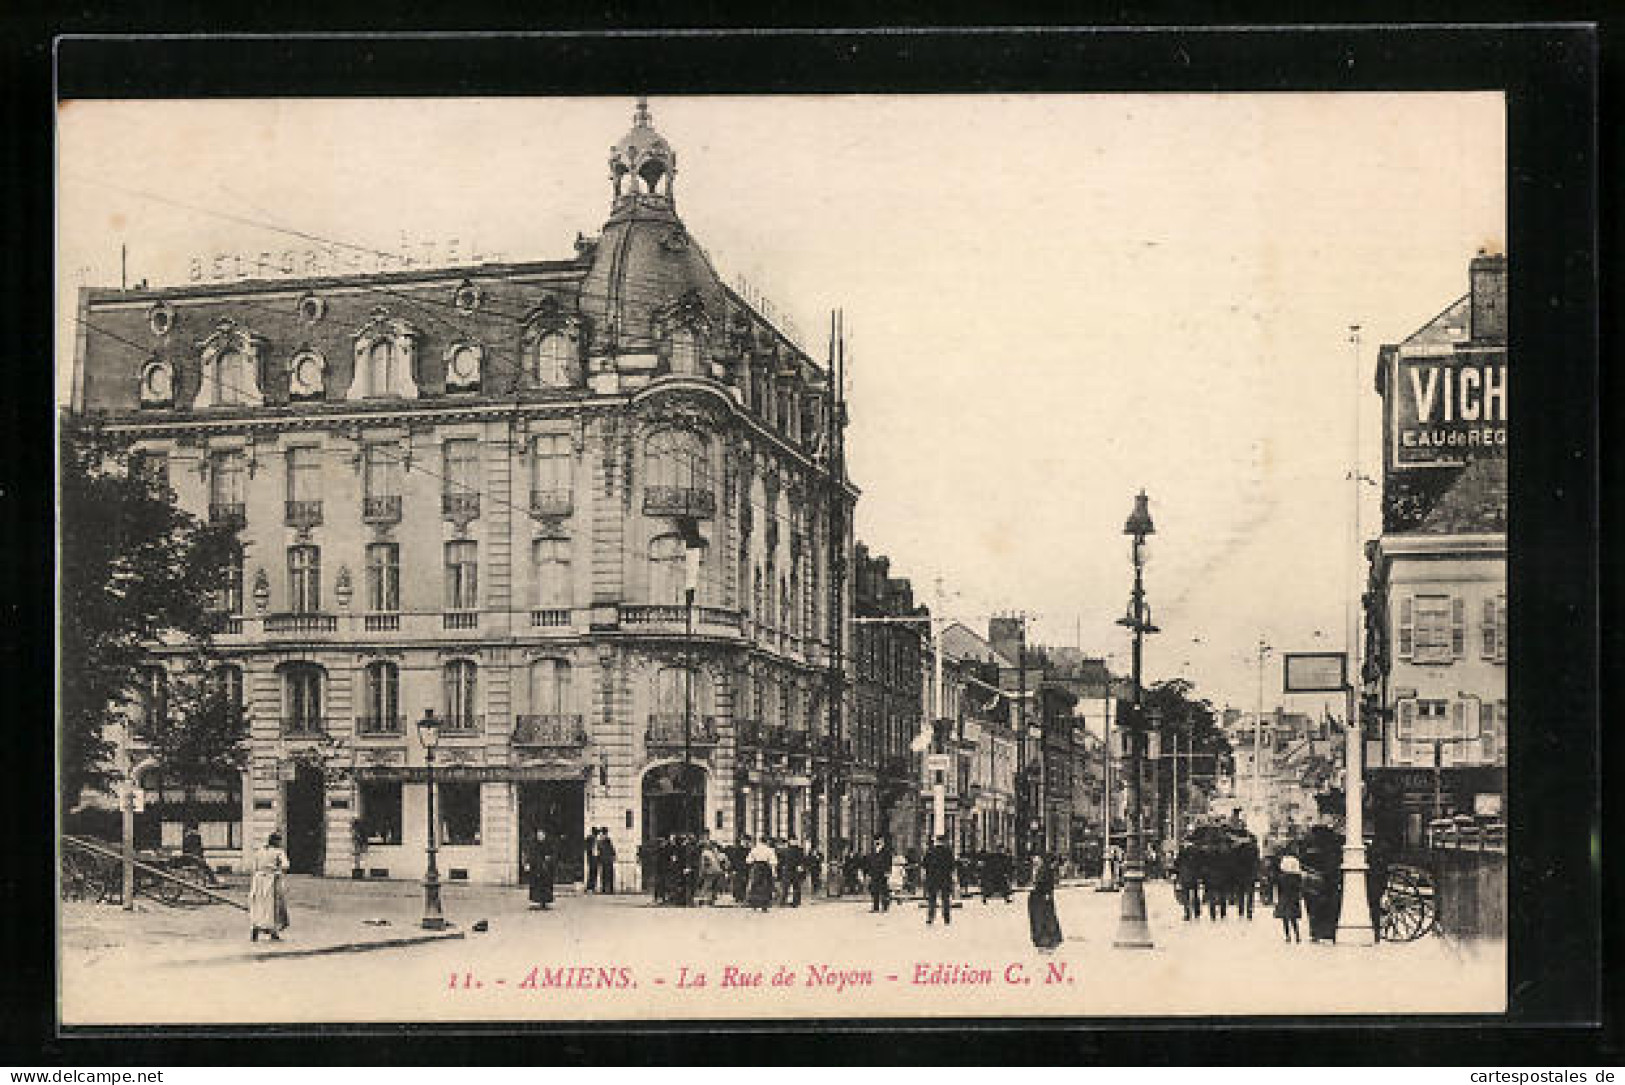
(660, 558)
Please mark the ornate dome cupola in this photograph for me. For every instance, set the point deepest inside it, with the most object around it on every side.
(642, 166)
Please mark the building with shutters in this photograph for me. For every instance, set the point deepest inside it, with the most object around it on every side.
(1435, 605)
(472, 490)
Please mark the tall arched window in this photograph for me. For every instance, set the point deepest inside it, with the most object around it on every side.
(380, 698)
(555, 360)
(302, 687)
(550, 688)
(381, 368)
(678, 459)
(458, 687)
(550, 563)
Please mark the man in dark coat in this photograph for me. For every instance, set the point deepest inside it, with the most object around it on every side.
(738, 880)
(792, 866)
(606, 861)
(938, 864)
(1321, 854)
(1246, 873)
(649, 865)
(589, 849)
(541, 861)
(880, 862)
(1187, 879)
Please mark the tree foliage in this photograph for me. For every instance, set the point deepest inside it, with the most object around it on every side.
(1204, 750)
(134, 571)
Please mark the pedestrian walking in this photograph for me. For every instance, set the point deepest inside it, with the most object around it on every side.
(541, 865)
(1246, 860)
(267, 892)
(606, 861)
(791, 872)
(880, 869)
(1187, 881)
(938, 864)
(761, 861)
(1288, 893)
(711, 861)
(1045, 925)
(738, 873)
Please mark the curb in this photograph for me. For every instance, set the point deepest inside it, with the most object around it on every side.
(323, 951)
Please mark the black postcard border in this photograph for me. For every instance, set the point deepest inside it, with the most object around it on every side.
(1550, 75)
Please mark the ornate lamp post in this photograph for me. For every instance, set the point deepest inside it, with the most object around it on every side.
(429, 735)
(693, 554)
(1133, 931)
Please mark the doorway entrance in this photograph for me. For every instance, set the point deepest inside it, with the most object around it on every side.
(303, 796)
(559, 806)
(673, 801)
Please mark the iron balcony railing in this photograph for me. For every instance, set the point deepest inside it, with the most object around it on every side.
(295, 726)
(550, 618)
(558, 731)
(666, 729)
(381, 510)
(302, 514)
(552, 502)
(460, 619)
(679, 501)
(301, 623)
(227, 512)
(380, 725)
(460, 504)
(381, 623)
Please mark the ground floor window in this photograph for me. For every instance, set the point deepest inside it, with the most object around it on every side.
(381, 812)
(459, 812)
(213, 808)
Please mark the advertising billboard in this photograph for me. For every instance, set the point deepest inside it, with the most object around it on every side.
(1449, 409)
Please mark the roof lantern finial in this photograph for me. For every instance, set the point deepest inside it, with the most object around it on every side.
(641, 117)
(642, 164)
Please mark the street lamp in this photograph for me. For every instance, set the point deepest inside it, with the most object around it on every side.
(429, 735)
(1133, 931)
(693, 554)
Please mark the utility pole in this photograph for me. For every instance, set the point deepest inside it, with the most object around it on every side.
(1259, 807)
(835, 475)
(1023, 789)
(1354, 917)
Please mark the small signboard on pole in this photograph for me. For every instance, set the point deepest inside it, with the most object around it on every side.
(1315, 672)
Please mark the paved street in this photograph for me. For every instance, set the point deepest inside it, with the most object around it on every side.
(595, 958)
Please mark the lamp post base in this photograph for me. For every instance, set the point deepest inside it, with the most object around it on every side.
(1133, 930)
(433, 918)
(1354, 917)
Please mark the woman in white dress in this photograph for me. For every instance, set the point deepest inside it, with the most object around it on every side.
(267, 893)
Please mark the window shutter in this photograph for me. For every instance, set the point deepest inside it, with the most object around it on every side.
(1407, 629)
(1458, 626)
(1501, 629)
(1487, 630)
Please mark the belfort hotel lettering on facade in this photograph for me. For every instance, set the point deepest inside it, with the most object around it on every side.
(474, 489)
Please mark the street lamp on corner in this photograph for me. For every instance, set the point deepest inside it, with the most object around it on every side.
(693, 556)
(1133, 930)
(429, 735)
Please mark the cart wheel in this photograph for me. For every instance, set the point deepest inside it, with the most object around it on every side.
(1407, 905)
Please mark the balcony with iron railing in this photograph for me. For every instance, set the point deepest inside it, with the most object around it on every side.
(679, 501)
(300, 624)
(302, 514)
(550, 618)
(551, 502)
(234, 513)
(666, 729)
(551, 731)
(303, 726)
(381, 510)
(380, 725)
(460, 619)
(455, 505)
(381, 623)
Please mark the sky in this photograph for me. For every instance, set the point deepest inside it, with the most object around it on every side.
(1052, 302)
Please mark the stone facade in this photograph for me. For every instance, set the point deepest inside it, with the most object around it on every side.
(473, 490)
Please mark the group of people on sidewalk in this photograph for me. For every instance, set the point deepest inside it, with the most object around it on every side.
(1219, 868)
(684, 870)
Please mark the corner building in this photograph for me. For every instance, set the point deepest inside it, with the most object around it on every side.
(473, 490)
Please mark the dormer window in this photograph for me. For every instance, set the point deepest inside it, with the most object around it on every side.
(685, 351)
(556, 359)
(230, 375)
(385, 350)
